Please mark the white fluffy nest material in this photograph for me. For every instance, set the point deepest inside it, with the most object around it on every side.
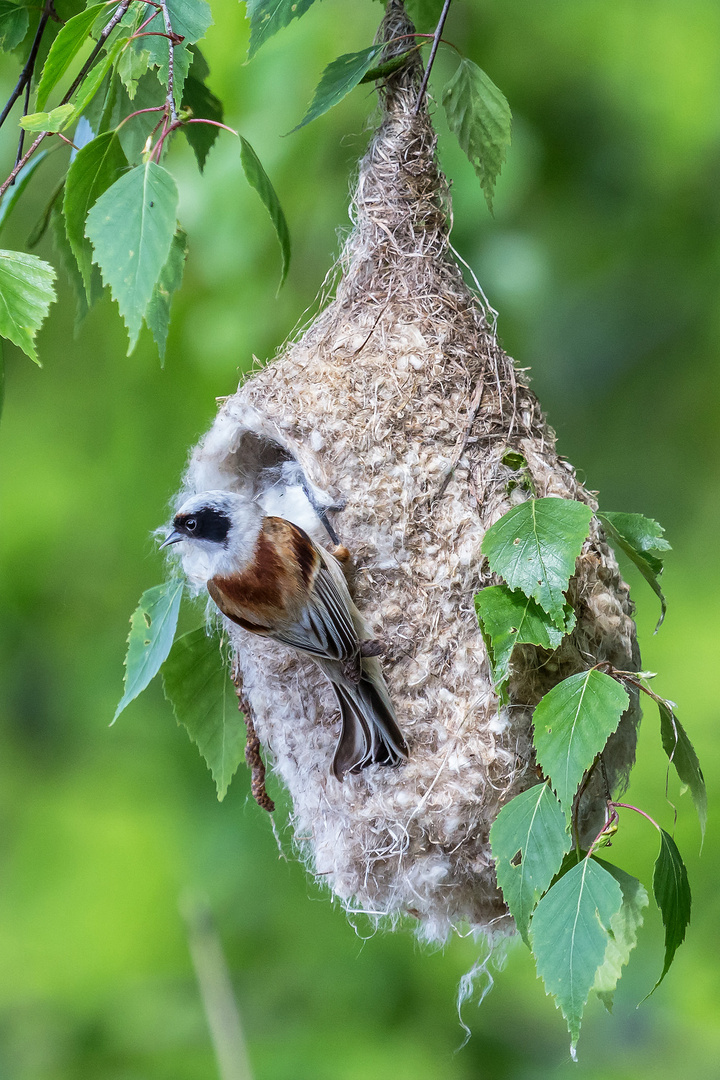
(399, 404)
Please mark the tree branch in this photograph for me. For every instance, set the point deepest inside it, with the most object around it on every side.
(29, 70)
(433, 53)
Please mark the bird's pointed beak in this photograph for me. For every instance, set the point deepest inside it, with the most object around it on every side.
(174, 538)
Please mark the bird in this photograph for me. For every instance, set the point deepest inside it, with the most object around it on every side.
(266, 574)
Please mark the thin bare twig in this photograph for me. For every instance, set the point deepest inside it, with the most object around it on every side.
(433, 52)
(28, 71)
(172, 41)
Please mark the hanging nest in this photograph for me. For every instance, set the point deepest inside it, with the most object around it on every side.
(399, 407)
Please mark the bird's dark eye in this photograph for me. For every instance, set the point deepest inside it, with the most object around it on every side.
(191, 524)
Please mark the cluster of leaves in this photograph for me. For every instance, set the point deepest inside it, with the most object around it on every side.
(194, 676)
(142, 79)
(113, 215)
(578, 914)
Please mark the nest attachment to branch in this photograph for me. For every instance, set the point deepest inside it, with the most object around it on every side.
(399, 405)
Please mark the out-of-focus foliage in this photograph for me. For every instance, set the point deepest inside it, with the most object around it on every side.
(602, 259)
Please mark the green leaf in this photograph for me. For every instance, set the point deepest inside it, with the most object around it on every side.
(133, 135)
(672, 895)
(569, 936)
(479, 115)
(131, 228)
(534, 547)
(26, 293)
(639, 537)
(268, 16)
(258, 178)
(681, 753)
(198, 686)
(572, 722)
(338, 79)
(94, 79)
(391, 65)
(624, 926)
(191, 19)
(152, 629)
(69, 264)
(132, 65)
(424, 13)
(203, 104)
(64, 49)
(509, 618)
(528, 840)
(53, 121)
(22, 179)
(157, 315)
(95, 169)
(13, 24)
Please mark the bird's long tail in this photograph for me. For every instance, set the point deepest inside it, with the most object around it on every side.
(370, 734)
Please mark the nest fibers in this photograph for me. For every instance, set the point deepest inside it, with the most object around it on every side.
(398, 405)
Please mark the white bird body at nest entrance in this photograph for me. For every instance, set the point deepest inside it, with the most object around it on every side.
(265, 574)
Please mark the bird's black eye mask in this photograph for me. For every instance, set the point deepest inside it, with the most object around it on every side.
(206, 524)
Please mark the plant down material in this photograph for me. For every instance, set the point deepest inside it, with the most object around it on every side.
(399, 402)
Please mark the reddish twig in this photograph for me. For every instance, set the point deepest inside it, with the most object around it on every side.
(252, 747)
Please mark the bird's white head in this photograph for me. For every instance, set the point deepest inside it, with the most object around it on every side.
(218, 530)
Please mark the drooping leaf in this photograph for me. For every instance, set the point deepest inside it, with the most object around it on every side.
(152, 629)
(13, 24)
(64, 49)
(569, 936)
(69, 264)
(55, 120)
(131, 227)
(96, 168)
(479, 115)
(26, 293)
(639, 537)
(534, 547)
(22, 179)
(157, 316)
(198, 686)
(672, 895)
(528, 840)
(259, 179)
(203, 104)
(509, 618)
(268, 16)
(681, 753)
(338, 79)
(624, 926)
(572, 722)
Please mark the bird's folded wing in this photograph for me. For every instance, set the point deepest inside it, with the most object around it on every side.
(325, 627)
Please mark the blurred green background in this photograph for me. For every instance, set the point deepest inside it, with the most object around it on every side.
(603, 260)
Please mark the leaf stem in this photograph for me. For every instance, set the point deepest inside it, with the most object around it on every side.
(628, 806)
(433, 52)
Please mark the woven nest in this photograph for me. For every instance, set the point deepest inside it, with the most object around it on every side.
(399, 406)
